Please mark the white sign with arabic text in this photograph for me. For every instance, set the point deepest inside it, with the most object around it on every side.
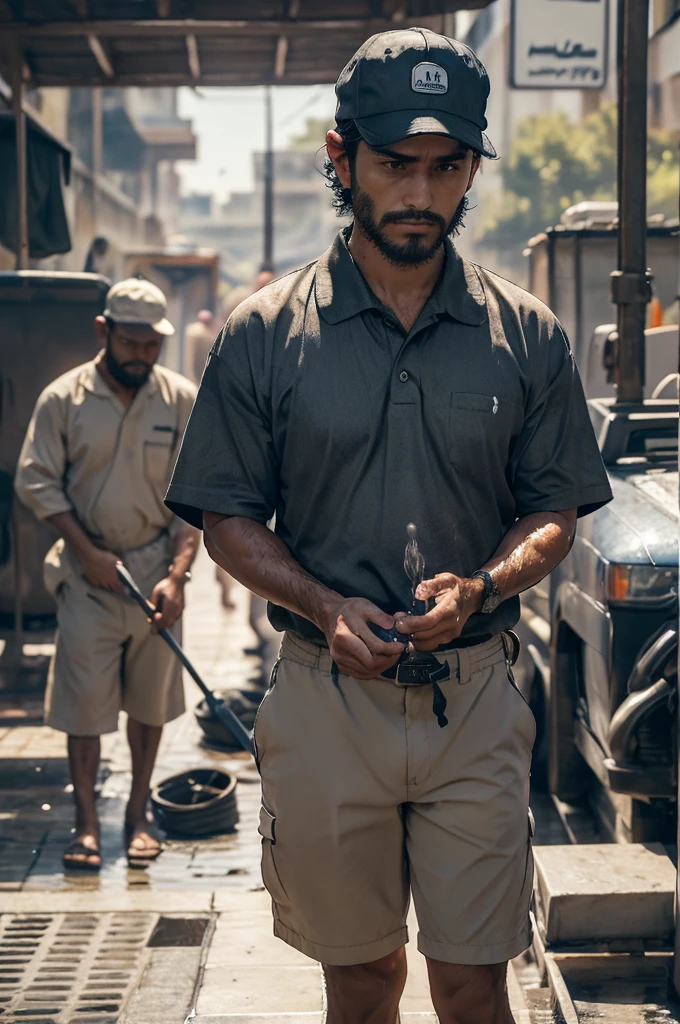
(558, 44)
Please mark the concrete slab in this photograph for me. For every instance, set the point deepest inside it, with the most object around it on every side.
(599, 892)
(175, 901)
(166, 988)
(260, 990)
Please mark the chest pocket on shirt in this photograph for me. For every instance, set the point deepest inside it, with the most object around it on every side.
(157, 461)
(476, 428)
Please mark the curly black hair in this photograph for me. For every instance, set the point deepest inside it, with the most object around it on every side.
(342, 197)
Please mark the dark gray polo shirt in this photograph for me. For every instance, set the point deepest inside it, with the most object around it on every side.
(315, 404)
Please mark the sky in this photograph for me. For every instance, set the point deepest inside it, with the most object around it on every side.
(229, 126)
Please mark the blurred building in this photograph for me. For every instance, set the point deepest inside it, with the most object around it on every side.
(123, 191)
(304, 220)
(664, 65)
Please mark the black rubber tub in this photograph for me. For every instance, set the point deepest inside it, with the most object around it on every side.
(244, 704)
(199, 802)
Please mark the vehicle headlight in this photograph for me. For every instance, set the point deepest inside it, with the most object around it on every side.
(640, 583)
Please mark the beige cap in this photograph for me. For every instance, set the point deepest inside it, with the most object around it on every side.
(138, 301)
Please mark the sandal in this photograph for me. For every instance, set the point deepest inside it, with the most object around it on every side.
(142, 856)
(77, 856)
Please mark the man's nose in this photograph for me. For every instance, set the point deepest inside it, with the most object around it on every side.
(418, 192)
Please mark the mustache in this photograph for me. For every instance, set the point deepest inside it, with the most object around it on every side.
(138, 367)
(397, 216)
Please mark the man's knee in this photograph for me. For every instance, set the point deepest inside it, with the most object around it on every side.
(470, 994)
(379, 978)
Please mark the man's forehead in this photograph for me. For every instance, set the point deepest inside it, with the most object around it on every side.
(425, 147)
(137, 332)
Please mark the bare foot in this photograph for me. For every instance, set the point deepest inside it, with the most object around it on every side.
(83, 852)
(143, 843)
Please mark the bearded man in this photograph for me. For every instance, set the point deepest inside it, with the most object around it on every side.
(95, 464)
(393, 382)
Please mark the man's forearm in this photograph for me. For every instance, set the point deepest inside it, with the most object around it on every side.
(66, 524)
(530, 550)
(259, 560)
(185, 547)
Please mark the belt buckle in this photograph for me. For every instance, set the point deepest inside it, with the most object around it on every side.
(420, 668)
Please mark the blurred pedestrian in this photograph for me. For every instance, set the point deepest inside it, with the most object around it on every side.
(199, 338)
(95, 464)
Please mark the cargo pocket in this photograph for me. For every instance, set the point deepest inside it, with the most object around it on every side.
(270, 874)
(157, 461)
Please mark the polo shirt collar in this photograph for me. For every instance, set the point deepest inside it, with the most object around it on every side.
(342, 292)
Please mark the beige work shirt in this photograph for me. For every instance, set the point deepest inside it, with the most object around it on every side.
(85, 452)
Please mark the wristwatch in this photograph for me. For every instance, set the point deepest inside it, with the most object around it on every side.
(492, 595)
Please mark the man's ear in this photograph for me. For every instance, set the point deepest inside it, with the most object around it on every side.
(339, 158)
(100, 329)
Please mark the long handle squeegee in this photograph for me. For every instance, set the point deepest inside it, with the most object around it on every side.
(217, 706)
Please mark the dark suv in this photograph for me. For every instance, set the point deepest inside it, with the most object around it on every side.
(599, 658)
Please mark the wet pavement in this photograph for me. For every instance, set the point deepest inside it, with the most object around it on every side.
(188, 938)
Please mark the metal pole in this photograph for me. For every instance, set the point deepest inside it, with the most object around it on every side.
(268, 246)
(21, 158)
(97, 152)
(630, 284)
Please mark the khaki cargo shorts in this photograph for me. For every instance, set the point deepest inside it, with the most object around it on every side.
(366, 800)
(107, 659)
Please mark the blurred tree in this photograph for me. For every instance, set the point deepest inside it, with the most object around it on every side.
(553, 164)
(314, 134)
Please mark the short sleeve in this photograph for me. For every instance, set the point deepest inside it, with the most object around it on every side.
(39, 480)
(226, 463)
(556, 463)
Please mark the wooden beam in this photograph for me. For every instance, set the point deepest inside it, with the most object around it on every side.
(193, 58)
(292, 11)
(281, 57)
(168, 28)
(101, 56)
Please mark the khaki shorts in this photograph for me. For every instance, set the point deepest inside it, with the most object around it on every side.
(366, 799)
(107, 660)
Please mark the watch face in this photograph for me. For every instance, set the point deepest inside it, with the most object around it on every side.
(491, 603)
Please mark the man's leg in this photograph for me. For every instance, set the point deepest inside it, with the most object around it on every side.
(366, 993)
(143, 740)
(470, 995)
(83, 756)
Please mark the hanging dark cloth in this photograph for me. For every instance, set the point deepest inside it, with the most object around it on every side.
(48, 166)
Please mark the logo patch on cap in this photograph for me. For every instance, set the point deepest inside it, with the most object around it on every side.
(429, 78)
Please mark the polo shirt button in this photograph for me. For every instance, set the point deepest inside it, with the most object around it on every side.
(403, 376)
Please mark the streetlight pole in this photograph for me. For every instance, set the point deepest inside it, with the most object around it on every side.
(630, 283)
(268, 240)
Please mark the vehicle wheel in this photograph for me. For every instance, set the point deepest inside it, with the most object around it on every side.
(567, 771)
(199, 802)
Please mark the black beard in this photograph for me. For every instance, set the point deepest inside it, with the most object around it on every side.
(121, 375)
(412, 252)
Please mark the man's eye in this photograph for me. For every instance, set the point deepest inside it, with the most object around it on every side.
(449, 167)
(394, 165)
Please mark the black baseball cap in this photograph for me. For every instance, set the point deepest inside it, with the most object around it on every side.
(415, 82)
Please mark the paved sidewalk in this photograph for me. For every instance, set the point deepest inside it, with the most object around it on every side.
(191, 937)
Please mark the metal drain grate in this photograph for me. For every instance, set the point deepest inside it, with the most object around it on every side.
(69, 968)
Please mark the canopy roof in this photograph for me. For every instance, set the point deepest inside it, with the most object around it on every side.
(201, 42)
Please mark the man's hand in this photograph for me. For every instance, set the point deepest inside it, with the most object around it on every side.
(354, 648)
(456, 600)
(99, 568)
(168, 600)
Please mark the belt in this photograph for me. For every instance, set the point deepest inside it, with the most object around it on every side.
(99, 542)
